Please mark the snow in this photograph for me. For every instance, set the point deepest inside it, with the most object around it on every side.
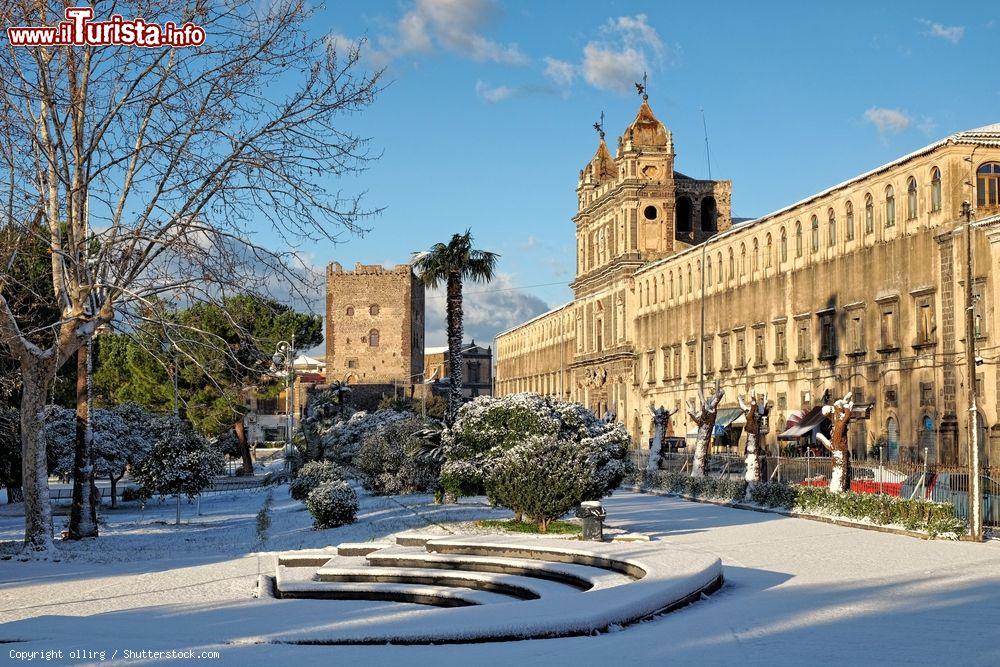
(796, 591)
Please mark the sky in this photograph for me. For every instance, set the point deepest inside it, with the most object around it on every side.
(487, 116)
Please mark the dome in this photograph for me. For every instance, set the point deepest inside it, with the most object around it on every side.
(602, 166)
(646, 130)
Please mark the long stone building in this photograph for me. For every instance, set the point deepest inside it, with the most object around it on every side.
(857, 288)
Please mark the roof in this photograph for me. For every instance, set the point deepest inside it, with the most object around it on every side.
(535, 318)
(987, 135)
(443, 349)
(646, 129)
(304, 360)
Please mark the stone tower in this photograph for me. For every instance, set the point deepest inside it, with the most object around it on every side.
(374, 325)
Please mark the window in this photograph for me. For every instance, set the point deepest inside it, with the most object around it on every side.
(709, 355)
(732, 265)
(677, 361)
(784, 246)
(802, 328)
(708, 269)
(827, 336)
(690, 282)
(755, 258)
(709, 215)
(869, 214)
(978, 307)
(373, 309)
(759, 348)
(649, 213)
(890, 207)
(832, 217)
(665, 351)
(725, 352)
(856, 331)
(373, 338)
(692, 360)
(780, 347)
(721, 276)
(671, 281)
(849, 211)
(935, 189)
(988, 185)
(815, 233)
(683, 214)
(741, 349)
(926, 330)
(927, 394)
(911, 199)
(768, 252)
(889, 313)
(743, 260)
(650, 367)
(352, 363)
(798, 238)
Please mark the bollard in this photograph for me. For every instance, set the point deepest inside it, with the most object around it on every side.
(593, 516)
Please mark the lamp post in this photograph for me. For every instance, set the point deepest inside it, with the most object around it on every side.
(975, 483)
(284, 354)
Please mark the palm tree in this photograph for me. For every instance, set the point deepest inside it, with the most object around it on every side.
(451, 263)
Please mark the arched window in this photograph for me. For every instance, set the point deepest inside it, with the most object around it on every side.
(708, 271)
(784, 246)
(690, 286)
(732, 265)
(768, 252)
(663, 287)
(832, 218)
(798, 238)
(647, 294)
(373, 338)
(350, 311)
(680, 283)
(743, 260)
(890, 206)
(683, 215)
(722, 270)
(911, 199)
(935, 189)
(755, 258)
(814, 224)
(671, 284)
(709, 215)
(988, 185)
(849, 214)
(892, 439)
(656, 292)
(373, 309)
(869, 214)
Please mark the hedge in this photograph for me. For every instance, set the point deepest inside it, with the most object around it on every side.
(933, 518)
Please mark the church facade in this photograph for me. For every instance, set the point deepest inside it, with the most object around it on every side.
(860, 287)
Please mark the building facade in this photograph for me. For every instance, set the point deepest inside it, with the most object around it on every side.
(859, 288)
(374, 325)
(477, 370)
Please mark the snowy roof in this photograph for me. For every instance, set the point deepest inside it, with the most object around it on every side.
(443, 349)
(535, 318)
(304, 360)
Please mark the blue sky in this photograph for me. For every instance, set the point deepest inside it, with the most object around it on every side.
(488, 116)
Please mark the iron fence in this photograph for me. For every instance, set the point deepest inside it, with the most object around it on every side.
(905, 479)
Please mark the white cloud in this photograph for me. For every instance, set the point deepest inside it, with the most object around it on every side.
(559, 72)
(953, 33)
(454, 25)
(888, 121)
(628, 47)
(493, 94)
(488, 310)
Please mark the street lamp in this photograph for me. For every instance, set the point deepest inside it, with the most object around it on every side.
(284, 354)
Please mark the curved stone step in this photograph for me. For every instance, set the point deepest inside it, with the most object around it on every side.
(520, 587)
(581, 577)
(435, 596)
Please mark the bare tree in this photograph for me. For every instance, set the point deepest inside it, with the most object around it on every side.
(150, 174)
(661, 420)
(704, 416)
(840, 413)
(756, 415)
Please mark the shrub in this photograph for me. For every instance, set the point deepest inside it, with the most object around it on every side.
(131, 493)
(487, 427)
(712, 488)
(341, 441)
(333, 503)
(773, 494)
(181, 462)
(542, 478)
(388, 461)
(880, 509)
(311, 475)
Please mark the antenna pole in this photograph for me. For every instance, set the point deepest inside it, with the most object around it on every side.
(708, 152)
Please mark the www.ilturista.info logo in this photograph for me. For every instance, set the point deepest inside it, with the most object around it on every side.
(79, 30)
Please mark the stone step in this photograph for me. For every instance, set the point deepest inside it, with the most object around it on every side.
(520, 587)
(581, 577)
(306, 558)
(436, 596)
(361, 548)
(415, 539)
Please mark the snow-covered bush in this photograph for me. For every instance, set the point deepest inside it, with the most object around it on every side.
(711, 488)
(340, 441)
(388, 462)
(311, 475)
(180, 463)
(773, 494)
(488, 426)
(880, 509)
(542, 478)
(333, 503)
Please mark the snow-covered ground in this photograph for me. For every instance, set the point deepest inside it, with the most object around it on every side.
(797, 591)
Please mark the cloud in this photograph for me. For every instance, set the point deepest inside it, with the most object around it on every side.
(628, 46)
(888, 121)
(559, 72)
(953, 33)
(488, 310)
(457, 26)
(492, 95)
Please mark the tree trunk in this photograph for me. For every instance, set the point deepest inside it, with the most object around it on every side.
(455, 333)
(704, 416)
(756, 414)
(840, 413)
(114, 490)
(34, 471)
(83, 513)
(241, 437)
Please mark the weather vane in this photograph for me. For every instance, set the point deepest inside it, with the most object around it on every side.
(641, 87)
(599, 126)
